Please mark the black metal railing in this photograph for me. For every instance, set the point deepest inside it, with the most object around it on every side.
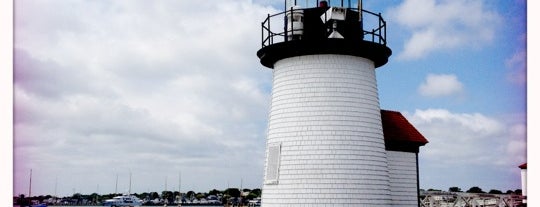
(375, 33)
(378, 34)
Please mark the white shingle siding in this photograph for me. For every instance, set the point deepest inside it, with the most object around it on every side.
(325, 114)
(403, 178)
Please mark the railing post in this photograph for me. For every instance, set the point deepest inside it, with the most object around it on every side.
(286, 25)
(270, 36)
(380, 19)
(384, 32)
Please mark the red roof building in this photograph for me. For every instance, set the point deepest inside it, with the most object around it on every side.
(402, 143)
(400, 134)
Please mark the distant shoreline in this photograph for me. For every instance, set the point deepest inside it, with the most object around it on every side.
(202, 205)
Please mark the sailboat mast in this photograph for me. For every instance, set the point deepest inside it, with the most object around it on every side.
(116, 186)
(179, 182)
(55, 186)
(30, 188)
(129, 191)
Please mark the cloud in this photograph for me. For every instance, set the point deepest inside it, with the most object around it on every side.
(155, 88)
(443, 25)
(49, 79)
(463, 143)
(437, 85)
(517, 68)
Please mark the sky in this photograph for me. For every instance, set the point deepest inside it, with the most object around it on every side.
(173, 94)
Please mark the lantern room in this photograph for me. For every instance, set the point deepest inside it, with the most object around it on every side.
(318, 26)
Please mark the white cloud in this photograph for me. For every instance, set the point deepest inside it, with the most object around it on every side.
(468, 138)
(442, 25)
(437, 85)
(476, 123)
(151, 87)
(517, 66)
(470, 149)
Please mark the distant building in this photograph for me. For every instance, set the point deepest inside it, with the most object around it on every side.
(523, 168)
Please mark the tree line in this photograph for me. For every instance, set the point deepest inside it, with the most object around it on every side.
(169, 197)
(165, 197)
(476, 189)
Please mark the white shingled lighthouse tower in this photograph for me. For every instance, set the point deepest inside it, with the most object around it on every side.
(325, 144)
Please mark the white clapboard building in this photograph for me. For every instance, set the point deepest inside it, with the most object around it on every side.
(523, 168)
(403, 143)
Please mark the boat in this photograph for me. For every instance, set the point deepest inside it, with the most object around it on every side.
(33, 202)
(39, 205)
(123, 200)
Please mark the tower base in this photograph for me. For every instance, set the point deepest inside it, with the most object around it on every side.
(325, 142)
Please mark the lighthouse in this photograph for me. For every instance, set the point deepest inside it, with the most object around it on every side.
(325, 143)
